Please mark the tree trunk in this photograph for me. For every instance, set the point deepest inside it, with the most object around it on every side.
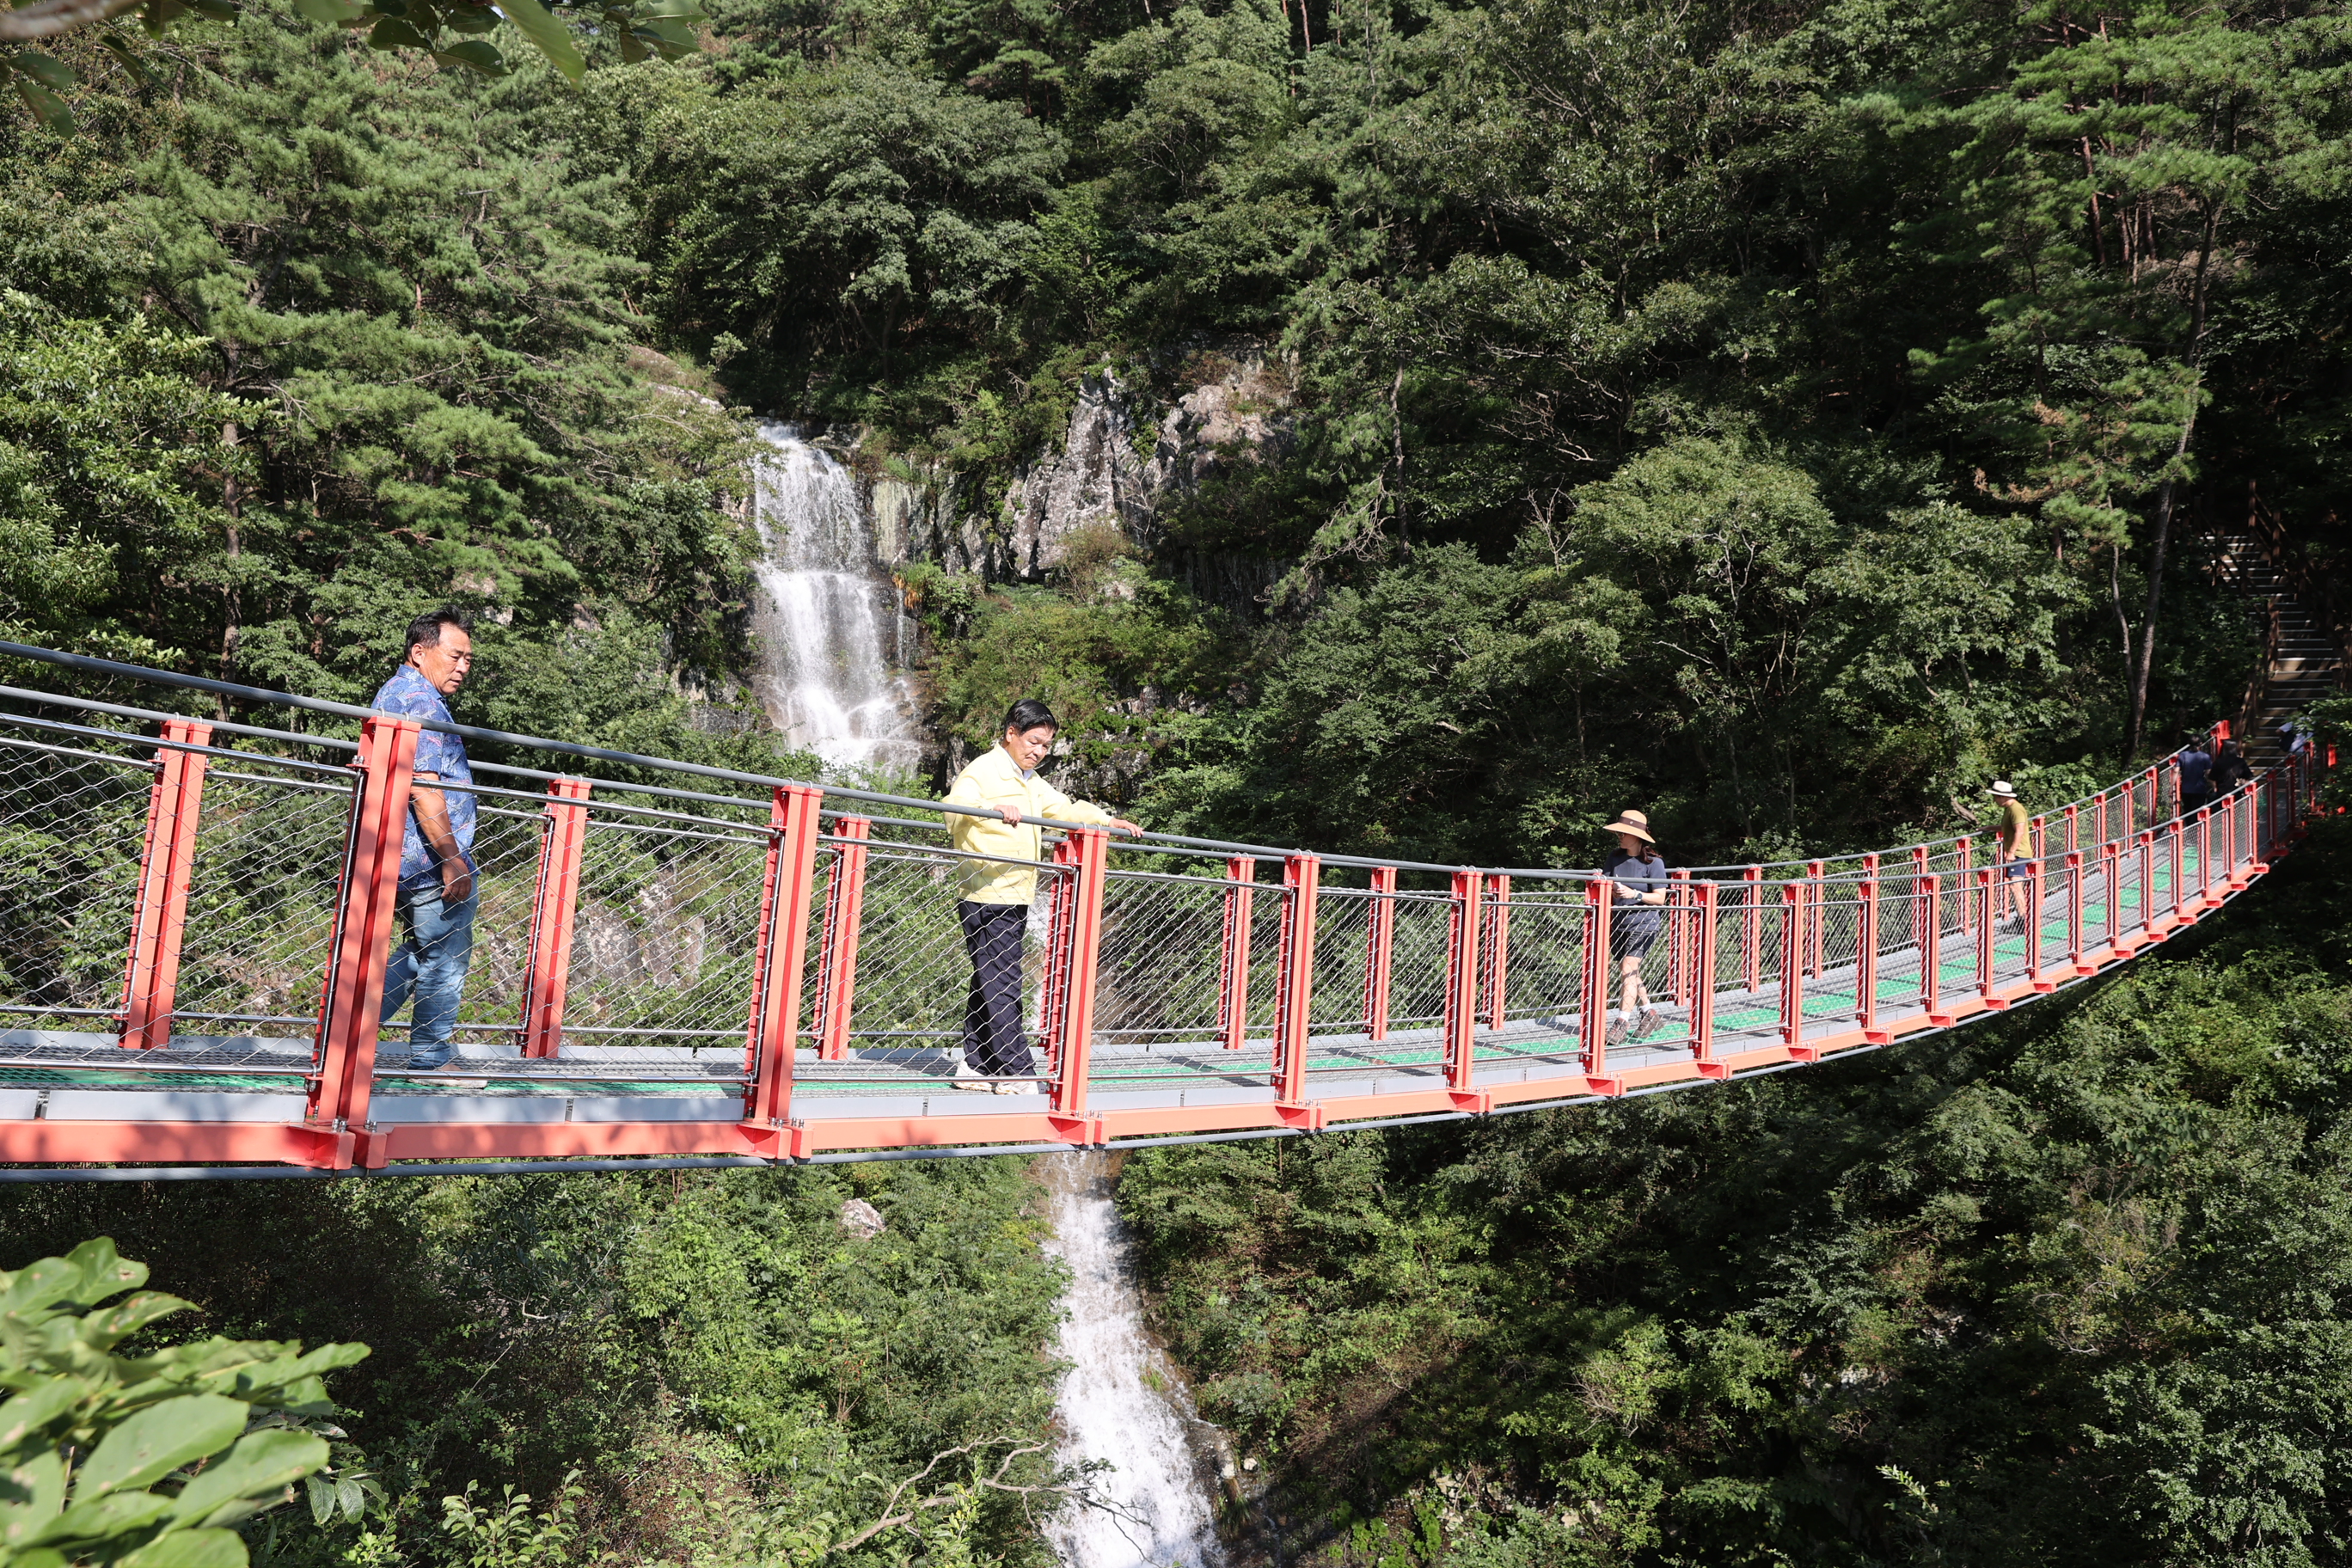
(2168, 490)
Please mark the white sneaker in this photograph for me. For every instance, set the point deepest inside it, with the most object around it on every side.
(446, 1073)
(1017, 1088)
(976, 1085)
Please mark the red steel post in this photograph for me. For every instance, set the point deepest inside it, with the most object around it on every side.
(844, 910)
(551, 911)
(1599, 975)
(1793, 899)
(1054, 987)
(2111, 884)
(2147, 881)
(1816, 918)
(785, 899)
(1705, 895)
(1074, 1053)
(1302, 879)
(1928, 927)
(2075, 911)
(1751, 943)
(1380, 947)
(2175, 849)
(1986, 892)
(1865, 958)
(1233, 975)
(2074, 830)
(350, 1012)
(1462, 924)
(2036, 874)
(1494, 934)
(1679, 954)
(167, 861)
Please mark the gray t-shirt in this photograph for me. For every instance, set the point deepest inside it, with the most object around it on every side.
(1635, 877)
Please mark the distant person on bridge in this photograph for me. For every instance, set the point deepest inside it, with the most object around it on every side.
(2196, 765)
(2013, 840)
(2231, 772)
(994, 908)
(435, 902)
(1640, 873)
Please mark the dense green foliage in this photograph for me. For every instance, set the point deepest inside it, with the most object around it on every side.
(1779, 414)
(1782, 415)
(2066, 1289)
(733, 1375)
(296, 350)
(145, 1458)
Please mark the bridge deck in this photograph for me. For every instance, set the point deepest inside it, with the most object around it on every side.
(199, 922)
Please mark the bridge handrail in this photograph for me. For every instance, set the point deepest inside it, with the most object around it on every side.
(86, 664)
(623, 923)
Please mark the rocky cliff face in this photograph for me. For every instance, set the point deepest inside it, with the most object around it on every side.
(1117, 468)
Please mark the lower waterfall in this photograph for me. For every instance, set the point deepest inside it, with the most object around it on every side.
(1120, 1399)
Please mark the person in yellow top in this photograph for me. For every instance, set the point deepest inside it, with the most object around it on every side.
(993, 908)
(2015, 841)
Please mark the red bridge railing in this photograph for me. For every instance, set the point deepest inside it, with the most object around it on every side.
(195, 919)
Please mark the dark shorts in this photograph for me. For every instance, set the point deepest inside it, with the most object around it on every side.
(1629, 940)
(2018, 870)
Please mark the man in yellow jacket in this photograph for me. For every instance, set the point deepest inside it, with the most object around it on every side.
(996, 892)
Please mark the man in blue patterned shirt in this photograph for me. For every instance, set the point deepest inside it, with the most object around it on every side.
(436, 903)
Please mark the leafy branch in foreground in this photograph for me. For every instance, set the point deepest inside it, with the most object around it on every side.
(141, 1460)
(642, 28)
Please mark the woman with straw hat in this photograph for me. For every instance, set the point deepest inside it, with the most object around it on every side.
(1634, 922)
(2013, 840)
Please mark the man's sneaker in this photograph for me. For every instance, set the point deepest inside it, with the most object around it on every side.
(1017, 1086)
(976, 1085)
(1617, 1028)
(446, 1073)
(1652, 1020)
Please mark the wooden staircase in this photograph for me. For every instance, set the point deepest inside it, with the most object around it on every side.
(2301, 660)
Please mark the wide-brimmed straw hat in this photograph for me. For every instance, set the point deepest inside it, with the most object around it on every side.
(1634, 822)
(2000, 789)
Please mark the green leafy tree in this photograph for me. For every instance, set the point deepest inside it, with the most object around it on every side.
(142, 1459)
(458, 35)
(2109, 170)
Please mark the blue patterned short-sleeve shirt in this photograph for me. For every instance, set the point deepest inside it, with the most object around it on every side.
(411, 695)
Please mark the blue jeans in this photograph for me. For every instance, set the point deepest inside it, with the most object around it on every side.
(431, 960)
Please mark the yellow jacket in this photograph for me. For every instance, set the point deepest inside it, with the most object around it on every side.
(991, 781)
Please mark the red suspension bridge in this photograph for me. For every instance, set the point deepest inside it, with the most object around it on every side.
(195, 918)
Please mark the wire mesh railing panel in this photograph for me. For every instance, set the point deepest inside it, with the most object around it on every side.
(1162, 960)
(1545, 976)
(1419, 951)
(1269, 922)
(263, 891)
(665, 938)
(914, 975)
(70, 830)
(506, 854)
(1343, 927)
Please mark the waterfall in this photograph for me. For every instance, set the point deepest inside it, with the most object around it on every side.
(832, 624)
(1120, 1399)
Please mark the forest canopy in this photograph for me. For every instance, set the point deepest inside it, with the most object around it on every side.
(1787, 415)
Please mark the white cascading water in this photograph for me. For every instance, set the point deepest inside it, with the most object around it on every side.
(1155, 1503)
(832, 624)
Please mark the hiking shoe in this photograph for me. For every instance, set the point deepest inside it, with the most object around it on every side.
(1652, 1020)
(975, 1085)
(446, 1073)
(1617, 1028)
(1016, 1088)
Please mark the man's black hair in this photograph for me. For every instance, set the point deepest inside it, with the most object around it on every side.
(424, 631)
(1031, 714)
